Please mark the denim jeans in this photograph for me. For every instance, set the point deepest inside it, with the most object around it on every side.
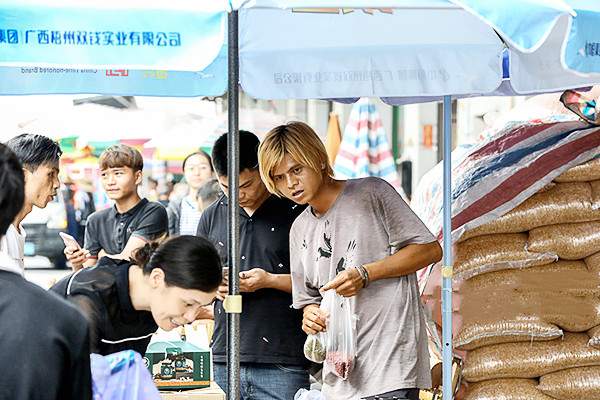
(265, 381)
(402, 394)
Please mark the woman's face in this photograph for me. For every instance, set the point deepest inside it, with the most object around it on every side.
(197, 171)
(172, 306)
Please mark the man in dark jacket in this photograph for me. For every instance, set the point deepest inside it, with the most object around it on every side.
(44, 340)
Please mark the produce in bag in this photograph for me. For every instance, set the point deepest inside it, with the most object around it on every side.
(489, 253)
(588, 171)
(341, 334)
(530, 360)
(562, 203)
(572, 384)
(315, 346)
(565, 277)
(568, 241)
(506, 389)
(524, 329)
(571, 313)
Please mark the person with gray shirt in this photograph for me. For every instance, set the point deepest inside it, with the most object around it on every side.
(359, 238)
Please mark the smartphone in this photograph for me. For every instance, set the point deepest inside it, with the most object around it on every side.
(69, 240)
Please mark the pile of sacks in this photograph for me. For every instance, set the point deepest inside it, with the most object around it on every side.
(530, 297)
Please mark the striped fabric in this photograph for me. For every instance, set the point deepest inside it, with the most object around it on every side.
(364, 150)
(492, 178)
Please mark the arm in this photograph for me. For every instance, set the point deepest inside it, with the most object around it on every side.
(152, 226)
(258, 278)
(417, 246)
(134, 243)
(86, 257)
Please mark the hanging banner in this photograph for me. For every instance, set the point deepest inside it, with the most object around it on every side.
(90, 35)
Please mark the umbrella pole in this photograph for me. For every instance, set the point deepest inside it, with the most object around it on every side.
(233, 246)
(447, 393)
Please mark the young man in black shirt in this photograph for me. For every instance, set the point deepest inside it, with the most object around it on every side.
(43, 340)
(273, 366)
(128, 225)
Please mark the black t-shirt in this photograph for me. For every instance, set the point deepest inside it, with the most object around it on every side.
(270, 329)
(44, 344)
(109, 230)
(102, 294)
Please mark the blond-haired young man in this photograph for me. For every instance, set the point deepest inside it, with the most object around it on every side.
(128, 225)
(359, 238)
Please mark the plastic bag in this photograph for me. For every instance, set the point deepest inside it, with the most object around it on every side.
(121, 376)
(341, 334)
(314, 348)
(304, 394)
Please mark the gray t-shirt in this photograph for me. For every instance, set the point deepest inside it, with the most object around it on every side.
(368, 222)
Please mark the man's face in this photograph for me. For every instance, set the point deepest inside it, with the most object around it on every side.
(120, 182)
(197, 171)
(252, 188)
(41, 185)
(295, 181)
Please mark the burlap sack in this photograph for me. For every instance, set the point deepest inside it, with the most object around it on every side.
(563, 203)
(530, 360)
(524, 329)
(505, 389)
(572, 384)
(495, 307)
(588, 171)
(496, 252)
(567, 277)
(568, 241)
(593, 263)
(595, 194)
(594, 335)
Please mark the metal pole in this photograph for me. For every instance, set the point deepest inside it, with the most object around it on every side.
(233, 251)
(447, 393)
(395, 134)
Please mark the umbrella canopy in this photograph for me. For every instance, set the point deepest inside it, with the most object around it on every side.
(364, 150)
(335, 49)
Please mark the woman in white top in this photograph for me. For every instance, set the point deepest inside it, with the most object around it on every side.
(185, 213)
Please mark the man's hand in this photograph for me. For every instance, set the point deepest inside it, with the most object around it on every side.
(253, 280)
(223, 289)
(205, 312)
(314, 319)
(77, 257)
(347, 283)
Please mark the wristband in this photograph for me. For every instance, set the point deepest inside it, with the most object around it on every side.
(364, 274)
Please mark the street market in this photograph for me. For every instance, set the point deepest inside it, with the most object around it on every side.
(444, 244)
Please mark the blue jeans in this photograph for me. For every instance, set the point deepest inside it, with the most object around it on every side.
(265, 381)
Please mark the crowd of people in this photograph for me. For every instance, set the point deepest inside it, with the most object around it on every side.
(143, 266)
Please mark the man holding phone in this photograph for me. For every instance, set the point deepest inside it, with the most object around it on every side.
(132, 222)
(39, 157)
(272, 362)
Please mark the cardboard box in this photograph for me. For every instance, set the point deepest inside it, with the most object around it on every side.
(178, 365)
(213, 392)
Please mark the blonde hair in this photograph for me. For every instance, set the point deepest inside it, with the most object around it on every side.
(298, 140)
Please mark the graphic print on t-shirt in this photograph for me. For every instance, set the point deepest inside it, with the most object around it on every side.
(325, 250)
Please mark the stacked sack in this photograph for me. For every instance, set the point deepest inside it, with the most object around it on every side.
(530, 297)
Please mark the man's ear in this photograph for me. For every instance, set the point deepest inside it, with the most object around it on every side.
(138, 177)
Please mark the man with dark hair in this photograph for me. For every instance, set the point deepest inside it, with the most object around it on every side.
(39, 157)
(47, 364)
(273, 366)
(128, 225)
